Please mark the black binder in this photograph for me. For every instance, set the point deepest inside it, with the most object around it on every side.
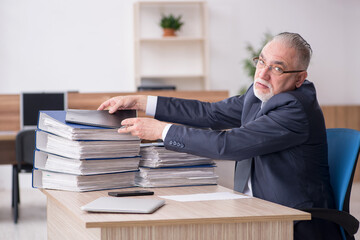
(101, 118)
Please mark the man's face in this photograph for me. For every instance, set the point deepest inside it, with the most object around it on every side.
(268, 84)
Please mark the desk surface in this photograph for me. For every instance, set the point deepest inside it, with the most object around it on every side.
(215, 211)
(8, 135)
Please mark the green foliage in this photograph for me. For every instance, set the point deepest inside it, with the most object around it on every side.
(248, 65)
(171, 22)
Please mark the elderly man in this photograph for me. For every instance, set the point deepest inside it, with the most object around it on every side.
(275, 132)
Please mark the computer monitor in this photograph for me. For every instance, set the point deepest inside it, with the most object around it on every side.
(32, 103)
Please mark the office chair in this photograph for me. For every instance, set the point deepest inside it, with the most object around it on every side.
(24, 145)
(343, 152)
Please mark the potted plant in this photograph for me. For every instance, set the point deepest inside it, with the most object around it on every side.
(170, 24)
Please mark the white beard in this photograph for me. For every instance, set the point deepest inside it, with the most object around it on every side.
(264, 97)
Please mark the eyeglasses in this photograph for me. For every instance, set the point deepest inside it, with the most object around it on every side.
(276, 70)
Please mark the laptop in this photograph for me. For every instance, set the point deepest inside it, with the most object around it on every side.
(124, 205)
(32, 102)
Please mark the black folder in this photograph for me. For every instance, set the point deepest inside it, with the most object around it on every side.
(101, 118)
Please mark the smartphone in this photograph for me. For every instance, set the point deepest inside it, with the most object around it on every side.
(130, 193)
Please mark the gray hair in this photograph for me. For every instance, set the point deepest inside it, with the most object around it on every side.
(294, 40)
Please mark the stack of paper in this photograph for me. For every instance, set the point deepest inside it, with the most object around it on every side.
(85, 149)
(160, 167)
(158, 156)
(176, 176)
(78, 157)
(54, 122)
(56, 163)
(80, 183)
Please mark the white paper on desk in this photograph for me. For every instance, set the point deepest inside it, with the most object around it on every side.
(205, 197)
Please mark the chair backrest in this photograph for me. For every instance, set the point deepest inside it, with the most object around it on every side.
(25, 145)
(343, 152)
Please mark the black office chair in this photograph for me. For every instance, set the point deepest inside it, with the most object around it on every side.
(25, 145)
(343, 152)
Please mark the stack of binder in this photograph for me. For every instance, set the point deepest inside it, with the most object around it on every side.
(78, 157)
(160, 167)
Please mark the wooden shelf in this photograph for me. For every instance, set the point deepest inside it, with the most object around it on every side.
(168, 3)
(173, 39)
(173, 76)
(170, 60)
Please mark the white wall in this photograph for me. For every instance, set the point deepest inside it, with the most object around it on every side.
(87, 45)
(329, 26)
(66, 45)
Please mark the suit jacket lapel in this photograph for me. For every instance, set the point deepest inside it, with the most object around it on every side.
(253, 113)
(243, 168)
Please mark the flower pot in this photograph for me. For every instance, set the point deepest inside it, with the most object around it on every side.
(169, 32)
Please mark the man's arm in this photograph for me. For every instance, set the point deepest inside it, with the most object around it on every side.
(152, 102)
(280, 128)
(150, 128)
(220, 115)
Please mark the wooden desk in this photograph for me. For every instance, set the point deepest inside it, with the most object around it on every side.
(204, 220)
(7, 147)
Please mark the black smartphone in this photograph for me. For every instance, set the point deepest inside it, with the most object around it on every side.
(130, 193)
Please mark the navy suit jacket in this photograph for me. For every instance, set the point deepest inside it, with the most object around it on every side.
(285, 138)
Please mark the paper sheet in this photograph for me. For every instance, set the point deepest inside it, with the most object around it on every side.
(205, 197)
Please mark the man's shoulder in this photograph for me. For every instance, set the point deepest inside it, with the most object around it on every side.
(306, 94)
(304, 97)
(302, 100)
(307, 89)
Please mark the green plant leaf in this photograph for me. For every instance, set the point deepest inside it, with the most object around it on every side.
(248, 65)
(169, 21)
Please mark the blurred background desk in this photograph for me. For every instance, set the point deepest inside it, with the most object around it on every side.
(7, 147)
(248, 218)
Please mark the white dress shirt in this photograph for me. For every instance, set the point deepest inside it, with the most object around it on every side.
(151, 110)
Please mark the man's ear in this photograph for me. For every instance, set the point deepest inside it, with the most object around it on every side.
(300, 78)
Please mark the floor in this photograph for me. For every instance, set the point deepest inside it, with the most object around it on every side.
(32, 219)
(32, 216)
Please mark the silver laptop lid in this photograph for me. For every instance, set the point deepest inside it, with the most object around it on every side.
(124, 205)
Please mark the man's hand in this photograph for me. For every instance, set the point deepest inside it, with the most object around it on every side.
(137, 102)
(144, 128)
